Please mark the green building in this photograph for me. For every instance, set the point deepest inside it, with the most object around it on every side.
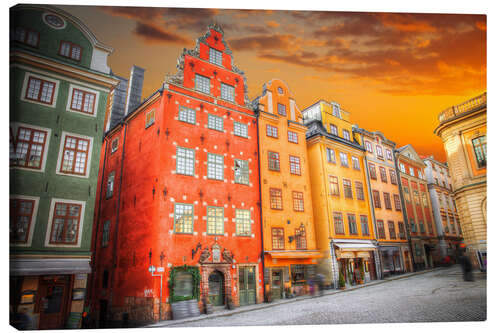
(59, 87)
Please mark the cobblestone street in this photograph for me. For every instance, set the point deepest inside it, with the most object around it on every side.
(436, 296)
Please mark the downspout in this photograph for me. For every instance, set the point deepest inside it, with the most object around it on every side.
(403, 205)
(115, 243)
(96, 231)
(260, 207)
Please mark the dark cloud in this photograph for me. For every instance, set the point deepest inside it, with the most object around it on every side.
(136, 13)
(263, 42)
(154, 34)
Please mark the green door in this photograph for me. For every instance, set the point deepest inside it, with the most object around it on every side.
(247, 285)
(215, 288)
(276, 284)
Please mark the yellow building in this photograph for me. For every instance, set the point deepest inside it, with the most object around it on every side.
(290, 254)
(341, 204)
(463, 131)
(386, 202)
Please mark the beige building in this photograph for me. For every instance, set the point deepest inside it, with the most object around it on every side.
(463, 131)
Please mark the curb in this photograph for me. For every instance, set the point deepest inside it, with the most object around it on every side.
(227, 313)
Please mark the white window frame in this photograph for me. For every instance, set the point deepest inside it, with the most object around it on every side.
(346, 135)
(368, 146)
(214, 121)
(215, 56)
(187, 172)
(186, 115)
(61, 149)
(27, 76)
(201, 87)
(344, 161)
(51, 221)
(72, 87)
(15, 126)
(212, 167)
(227, 92)
(32, 222)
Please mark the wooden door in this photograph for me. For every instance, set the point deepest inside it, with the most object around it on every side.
(277, 284)
(247, 285)
(52, 304)
(215, 288)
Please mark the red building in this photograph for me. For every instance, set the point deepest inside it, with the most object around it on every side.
(180, 191)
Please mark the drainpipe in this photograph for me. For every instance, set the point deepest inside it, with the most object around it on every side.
(403, 205)
(96, 230)
(260, 207)
(115, 243)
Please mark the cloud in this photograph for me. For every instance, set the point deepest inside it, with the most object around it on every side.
(154, 34)
(272, 24)
(264, 42)
(136, 13)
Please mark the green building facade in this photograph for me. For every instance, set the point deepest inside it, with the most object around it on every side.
(59, 87)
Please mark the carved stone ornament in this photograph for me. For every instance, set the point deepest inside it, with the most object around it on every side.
(205, 254)
(227, 256)
(216, 253)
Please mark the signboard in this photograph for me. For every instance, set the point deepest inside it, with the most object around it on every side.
(346, 255)
(363, 254)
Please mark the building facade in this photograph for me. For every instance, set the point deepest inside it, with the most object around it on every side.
(419, 219)
(443, 208)
(59, 86)
(386, 202)
(341, 204)
(180, 192)
(463, 131)
(289, 239)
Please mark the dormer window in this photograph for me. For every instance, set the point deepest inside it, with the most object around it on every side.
(227, 92)
(346, 135)
(281, 109)
(215, 57)
(280, 90)
(70, 50)
(202, 83)
(336, 111)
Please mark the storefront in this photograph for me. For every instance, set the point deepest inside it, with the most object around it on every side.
(392, 259)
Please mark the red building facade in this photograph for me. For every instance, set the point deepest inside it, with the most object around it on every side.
(180, 192)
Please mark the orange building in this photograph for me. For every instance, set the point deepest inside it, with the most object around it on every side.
(343, 219)
(386, 201)
(287, 216)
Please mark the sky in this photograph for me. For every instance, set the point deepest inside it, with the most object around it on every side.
(394, 72)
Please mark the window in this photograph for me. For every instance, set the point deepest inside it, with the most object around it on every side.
(27, 36)
(360, 195)
(83, 101)
(65, 224)
(105, 233)
(407, 194)
(397, 202)
(381, 229)
(240, 129)
(376, 199)
(372, 170)
(429, 227)
(215, 166)
(424, 199)
(334, 130)
(21, 216)
(243, 222)
(336, 111)
(346, 134)
(388, 154)
(227, 92)
(334, 185)
(75, 155)
(394, 179)
(215, 56)
(421, 226)
(280, 90)
(401, 228)
(422, 177)
(330, 155)
(275, 197)
(150, 118)
(343, 159)
(187, 115)
(202, 83)
(353, 229)
(347, 188)
(392, 230)
(339, 223)
(364, 225)
(412, 172)
(402, 167)
(215, 220)
(273, 160)
(294, 165)
(278, 238)
(416, 197)
(300, 238)
(241, 173)
(368, 146)
(183, 218)
(185, 161)
(298, 201)
(387, 200)
(479, 146)
(110, 184)
(114, 145)
(413, 226)
(355, 163)
(383, 174)
(70, 50)
(272, 131)
(281, 109)
(28, 148)
(380, 153)
(40, 90)
(293, 137)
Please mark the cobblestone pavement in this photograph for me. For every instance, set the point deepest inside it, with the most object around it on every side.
(437, 296)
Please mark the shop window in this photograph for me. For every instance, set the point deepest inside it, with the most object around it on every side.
(183, 287)
(275, 198)
(183, 218)
(278, 238)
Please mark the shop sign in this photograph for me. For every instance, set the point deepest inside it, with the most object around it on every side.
(346, 255)
(363, 254)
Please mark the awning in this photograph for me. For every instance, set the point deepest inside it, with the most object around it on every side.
(355, 246)
(49, 266)
(294, 254)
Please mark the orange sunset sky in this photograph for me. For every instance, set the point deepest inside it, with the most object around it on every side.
(393, 71)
